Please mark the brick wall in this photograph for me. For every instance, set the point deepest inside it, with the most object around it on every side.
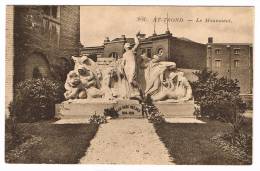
(223, 57)
(243, 72)
(54, 39)
(188, 54)
(117, 47)
(30, 43)
(161, 44)
(70, 31)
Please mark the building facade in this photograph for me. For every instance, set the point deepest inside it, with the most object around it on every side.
(40, 41)
(186, 53)
(232, 60)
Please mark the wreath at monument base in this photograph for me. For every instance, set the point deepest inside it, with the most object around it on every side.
(151, 111)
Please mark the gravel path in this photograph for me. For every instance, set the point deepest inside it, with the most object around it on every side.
(126, 141)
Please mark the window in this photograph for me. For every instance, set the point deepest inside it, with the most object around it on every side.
(46, 10)
(217, 51)
(236, 63)
(51, 11)
(149, 53)
(143, 51)
(114, 55)
(51, 24)
(217, 63)
(160, 51)
(54, 11)
(236, 51)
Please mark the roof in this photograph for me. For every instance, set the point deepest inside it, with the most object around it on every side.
(93, 47)
(185, 39)
(248, 44)
(128, 40)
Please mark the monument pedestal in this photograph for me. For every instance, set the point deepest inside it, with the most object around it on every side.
(170, 109)
(84, 108)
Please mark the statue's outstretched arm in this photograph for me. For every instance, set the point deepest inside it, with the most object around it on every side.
(136, 43)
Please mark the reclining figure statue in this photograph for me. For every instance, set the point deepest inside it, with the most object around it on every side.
(163, 80)
(175, 87)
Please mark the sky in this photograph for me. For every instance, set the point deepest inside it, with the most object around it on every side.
(98, 22)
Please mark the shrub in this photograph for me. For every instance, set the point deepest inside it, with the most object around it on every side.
(35, 99)
(196, 112)
(97, 119)
(218, 98)
(239, 147)
(241, 140)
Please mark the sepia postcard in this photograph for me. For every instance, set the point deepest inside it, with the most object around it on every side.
(136, 85)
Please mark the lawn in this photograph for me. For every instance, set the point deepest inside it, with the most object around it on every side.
(189, 143)
(44, 142)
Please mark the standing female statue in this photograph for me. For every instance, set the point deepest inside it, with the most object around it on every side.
(129, 67)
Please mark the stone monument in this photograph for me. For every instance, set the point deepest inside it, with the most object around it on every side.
(90, 89)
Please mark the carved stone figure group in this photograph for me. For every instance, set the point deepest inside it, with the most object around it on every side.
(161, 79)
(84, 81)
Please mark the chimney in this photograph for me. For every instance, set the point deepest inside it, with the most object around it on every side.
(142, 36)
(167, 32)
(106, 40)
(210, 40)
(123, 36)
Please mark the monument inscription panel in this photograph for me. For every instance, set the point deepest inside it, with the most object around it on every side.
(129, 108)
